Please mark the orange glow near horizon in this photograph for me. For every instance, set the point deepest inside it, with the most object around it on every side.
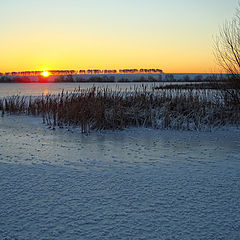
(45, 74)
(111, 35)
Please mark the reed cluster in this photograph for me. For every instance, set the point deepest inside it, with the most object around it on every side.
(103, 108)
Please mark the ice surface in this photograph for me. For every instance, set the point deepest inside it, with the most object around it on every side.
(37, 89)
(131, 184)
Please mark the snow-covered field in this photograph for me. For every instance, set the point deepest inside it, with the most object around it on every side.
(131, 184)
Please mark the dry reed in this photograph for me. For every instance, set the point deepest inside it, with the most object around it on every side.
(103, 108)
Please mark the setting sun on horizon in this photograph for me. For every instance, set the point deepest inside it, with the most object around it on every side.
(45, 74)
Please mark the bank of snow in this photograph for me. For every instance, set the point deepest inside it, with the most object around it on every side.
(132, 184)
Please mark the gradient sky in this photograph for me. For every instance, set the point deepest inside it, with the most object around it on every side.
(174, 35)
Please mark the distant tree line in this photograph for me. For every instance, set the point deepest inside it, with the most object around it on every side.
(214, 78)
(75, 72)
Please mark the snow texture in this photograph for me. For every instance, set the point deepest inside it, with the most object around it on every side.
(131, 184)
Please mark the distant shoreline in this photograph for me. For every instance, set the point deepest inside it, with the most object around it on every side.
(118, 78)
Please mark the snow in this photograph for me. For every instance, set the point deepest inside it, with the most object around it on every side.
(132, 184)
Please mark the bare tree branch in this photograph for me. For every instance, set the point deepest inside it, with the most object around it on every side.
(227, 54)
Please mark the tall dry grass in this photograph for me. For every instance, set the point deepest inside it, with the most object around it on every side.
(103, 108)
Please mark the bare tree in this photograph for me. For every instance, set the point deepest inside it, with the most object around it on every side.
(227, 53)
(227, 49)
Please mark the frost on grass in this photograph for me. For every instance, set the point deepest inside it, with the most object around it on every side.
(103, 108)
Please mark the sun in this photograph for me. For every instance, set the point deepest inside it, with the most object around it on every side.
(45, 73)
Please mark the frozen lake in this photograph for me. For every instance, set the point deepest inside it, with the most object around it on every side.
(134, 184)
(37, 89)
